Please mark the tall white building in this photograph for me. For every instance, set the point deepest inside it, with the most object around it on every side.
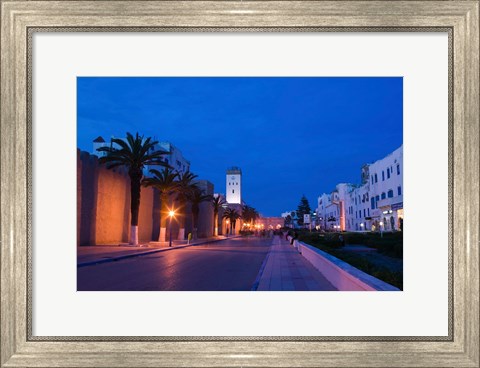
(386, 183)
(377, 203)
(234, 186)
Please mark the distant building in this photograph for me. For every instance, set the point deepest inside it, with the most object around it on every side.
(98, 143)
(375, 204)
(205, 186)
(270, 223)
(174, 156)
(233, 188)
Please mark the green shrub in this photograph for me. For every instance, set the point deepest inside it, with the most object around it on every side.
(354, 238)
(390, 244)
(331, 240)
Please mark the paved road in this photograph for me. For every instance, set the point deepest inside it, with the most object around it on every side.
(232, 264)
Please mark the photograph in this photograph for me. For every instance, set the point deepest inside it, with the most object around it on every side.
(222, 183)
(240, 183)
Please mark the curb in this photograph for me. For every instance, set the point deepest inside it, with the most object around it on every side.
(119, 258)
(260, 272)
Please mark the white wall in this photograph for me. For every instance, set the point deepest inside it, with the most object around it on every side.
(385, 175)
(234, 188)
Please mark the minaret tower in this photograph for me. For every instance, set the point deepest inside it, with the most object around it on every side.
(234, 185)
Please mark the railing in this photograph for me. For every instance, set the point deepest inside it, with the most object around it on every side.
(342, 275)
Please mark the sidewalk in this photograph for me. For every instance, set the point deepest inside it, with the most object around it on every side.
(286, 270)
(88, 255)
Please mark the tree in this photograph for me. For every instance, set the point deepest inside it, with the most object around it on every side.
(134, 153)
(166, 183)
(196, 197)
(185, 187)
(232, 215)
(303, 209)
(288, 220)
(217, 203)
(249, 214)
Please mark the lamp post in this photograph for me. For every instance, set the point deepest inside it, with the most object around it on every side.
(381, 229)
(170, 214)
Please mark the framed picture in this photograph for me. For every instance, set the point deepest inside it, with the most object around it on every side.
(302, 94)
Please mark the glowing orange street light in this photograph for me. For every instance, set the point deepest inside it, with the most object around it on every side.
(170, 214)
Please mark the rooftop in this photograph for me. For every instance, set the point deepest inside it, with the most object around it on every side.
(234, 170)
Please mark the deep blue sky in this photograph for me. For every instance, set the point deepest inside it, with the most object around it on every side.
(290, 136)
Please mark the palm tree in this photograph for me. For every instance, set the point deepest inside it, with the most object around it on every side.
(185, 187)
(232, 215)
(165, 182)
(134, 153)
(217, 203)
(249, 214)
(196, 197)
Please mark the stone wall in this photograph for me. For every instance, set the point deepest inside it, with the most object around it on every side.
(103, 207)
(103, 204)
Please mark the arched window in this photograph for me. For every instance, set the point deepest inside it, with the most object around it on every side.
(383, 195)
(390, 193)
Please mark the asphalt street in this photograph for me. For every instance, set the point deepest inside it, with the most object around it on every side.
(228, 265)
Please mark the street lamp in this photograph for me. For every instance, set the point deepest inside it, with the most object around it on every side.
(170, 214)
(381, 229)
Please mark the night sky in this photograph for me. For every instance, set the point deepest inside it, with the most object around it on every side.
(290, 136)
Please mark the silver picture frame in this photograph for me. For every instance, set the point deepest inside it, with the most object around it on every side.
(19, 22)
